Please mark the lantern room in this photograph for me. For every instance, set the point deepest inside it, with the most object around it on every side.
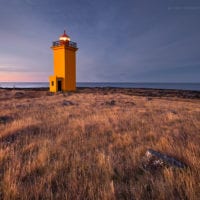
(64, 37)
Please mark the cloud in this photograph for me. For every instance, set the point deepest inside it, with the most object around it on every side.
(30, 2)
(9, 68)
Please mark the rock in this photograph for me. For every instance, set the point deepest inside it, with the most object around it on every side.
(149, 98)
(130, 103)
(5, 119)
(174, 112)
(154, 160)
(19, 94)
(111, 103)
(67, 103)
(65, 94)
(50, 93)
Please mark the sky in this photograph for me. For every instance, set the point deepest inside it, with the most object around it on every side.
(118, 40)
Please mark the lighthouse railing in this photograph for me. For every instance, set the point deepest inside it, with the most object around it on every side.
(70, 44)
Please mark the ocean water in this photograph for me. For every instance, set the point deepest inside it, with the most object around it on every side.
(179, 86)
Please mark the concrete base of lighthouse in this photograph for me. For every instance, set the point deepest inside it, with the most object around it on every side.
(58, 84)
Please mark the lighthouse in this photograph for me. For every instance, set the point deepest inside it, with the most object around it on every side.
(64, 64)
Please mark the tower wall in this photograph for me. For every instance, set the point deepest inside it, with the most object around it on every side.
(70, 70)
(64, 60)
(59, 61)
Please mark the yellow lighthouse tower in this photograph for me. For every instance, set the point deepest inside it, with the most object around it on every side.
(64, 56)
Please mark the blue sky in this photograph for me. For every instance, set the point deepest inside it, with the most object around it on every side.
(118, 40)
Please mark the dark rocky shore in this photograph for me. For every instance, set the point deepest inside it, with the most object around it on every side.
(145, 92)
(189, 94)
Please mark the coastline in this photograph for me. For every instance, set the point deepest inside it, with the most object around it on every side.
(147, 92)
(155, 85)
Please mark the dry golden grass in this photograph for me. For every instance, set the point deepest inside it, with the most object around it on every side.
(93, 149)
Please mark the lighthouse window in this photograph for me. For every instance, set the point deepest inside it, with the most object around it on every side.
(52, 83)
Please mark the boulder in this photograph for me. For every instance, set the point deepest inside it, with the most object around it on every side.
(154, 160)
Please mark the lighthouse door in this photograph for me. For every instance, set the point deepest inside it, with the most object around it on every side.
(59, 85)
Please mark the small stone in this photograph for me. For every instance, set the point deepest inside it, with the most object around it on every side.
(111, 103)
(130, 103)
(149, 98)
(19, 94)
(67, 103)
(5, 119)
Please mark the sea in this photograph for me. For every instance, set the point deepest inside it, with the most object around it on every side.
(176, 86)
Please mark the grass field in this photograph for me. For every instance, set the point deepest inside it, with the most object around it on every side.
(90, 144)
